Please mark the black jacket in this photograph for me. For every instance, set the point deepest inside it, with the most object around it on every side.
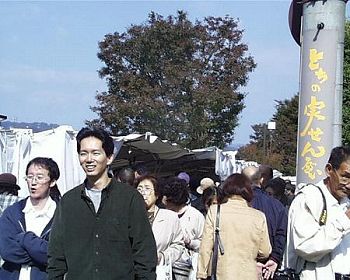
(277, 221)
(114, 243)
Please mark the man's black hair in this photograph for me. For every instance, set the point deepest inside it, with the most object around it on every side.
(338, 156)
(126, 175)
(266, 172)
(106, 139)
(54, 173)
(141, 169)
(47, 163)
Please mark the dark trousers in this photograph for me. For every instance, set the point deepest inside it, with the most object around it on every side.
(339, 276)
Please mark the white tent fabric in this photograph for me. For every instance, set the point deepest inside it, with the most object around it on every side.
(225, 163)
(19, 146)
(23, 145)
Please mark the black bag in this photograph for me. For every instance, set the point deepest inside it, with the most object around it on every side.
(287, 274)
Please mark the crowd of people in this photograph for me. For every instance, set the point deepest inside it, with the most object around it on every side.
(130, 224)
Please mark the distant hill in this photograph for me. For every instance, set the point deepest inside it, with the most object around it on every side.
(35, 126)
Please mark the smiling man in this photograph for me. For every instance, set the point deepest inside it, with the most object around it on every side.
(101, 229)
(318, 243)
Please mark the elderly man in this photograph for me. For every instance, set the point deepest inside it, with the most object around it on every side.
(276, 217)
(318, 245)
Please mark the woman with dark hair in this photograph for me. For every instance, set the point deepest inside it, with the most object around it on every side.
(165, 223)
(277, 188)
(243, 232)
(26, 225)
(175, 195)
(210, 196)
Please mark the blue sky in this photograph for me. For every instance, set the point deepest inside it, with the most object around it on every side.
(49, 65)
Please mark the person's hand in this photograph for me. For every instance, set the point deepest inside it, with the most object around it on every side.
(187, 241)
(269, 269)
(259, 267)
(347, 212)
(160, 258)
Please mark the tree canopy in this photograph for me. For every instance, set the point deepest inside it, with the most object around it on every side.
(277, 147)
(177, 79)
(283, 152)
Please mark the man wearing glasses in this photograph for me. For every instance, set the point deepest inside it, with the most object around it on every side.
(318, 242)
(101, 230)
(25, 225)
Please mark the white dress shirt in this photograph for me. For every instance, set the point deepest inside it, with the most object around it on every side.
(341, 254)
(36, 221)
(310, 246)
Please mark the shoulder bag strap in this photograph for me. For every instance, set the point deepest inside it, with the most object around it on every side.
(322, 220)
(323, 216)
(217, 244)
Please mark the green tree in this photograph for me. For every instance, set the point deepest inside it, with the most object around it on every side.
(285, 137)
(277, 147)
(177, 79)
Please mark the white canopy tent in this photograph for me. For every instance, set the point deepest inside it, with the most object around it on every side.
(19, 146)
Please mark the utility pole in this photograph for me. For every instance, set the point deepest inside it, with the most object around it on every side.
(270, 126)
(264, 142)
(321, 82)
(267, 129)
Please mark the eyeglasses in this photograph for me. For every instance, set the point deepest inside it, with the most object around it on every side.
(146, 191)
(343, 179)
(39, 178)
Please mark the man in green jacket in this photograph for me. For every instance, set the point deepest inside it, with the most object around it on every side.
(100, 230)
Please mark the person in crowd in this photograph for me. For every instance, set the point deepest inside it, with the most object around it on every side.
(210, 196)
(165, 223)
(8, 191)
(25, 225)
(277, 219)
(318, 244)
(243, 233)
(184, 176)
(209, 187)
(194, 198)
(266, 173)
(140, 170)
(100, 229)
(175, 196)
(204, 184)
(126, 175)
(290, 190)
(277, 188)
